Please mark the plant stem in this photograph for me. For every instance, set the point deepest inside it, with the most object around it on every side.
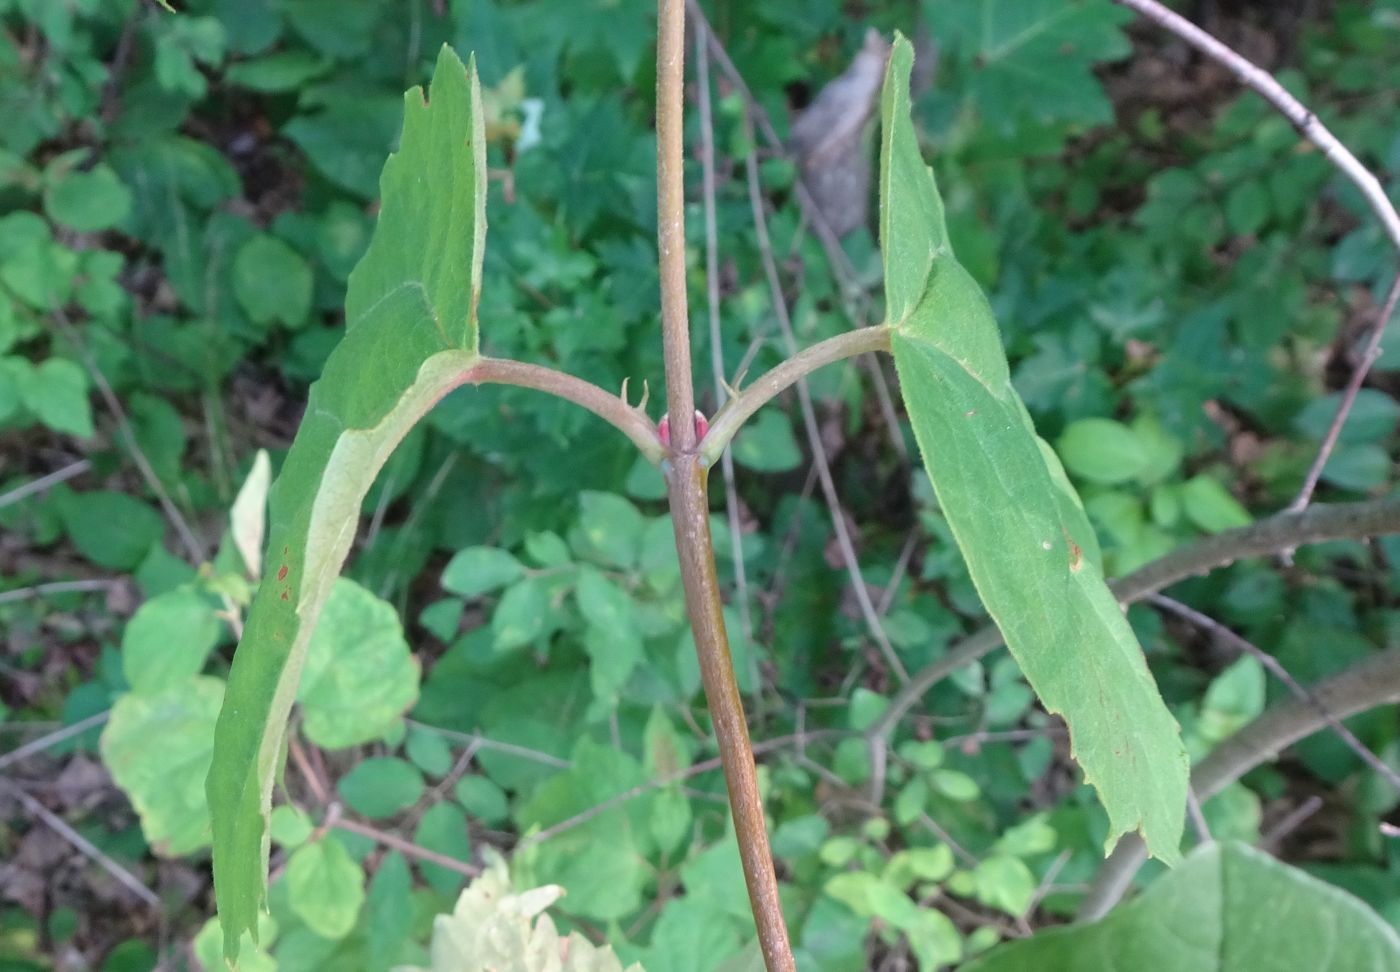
(631, 422)
(670, 220)
(1373, 682)
(737, 410)
(690, 506)
(690, 516)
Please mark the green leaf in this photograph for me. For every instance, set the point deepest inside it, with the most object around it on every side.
(477, 570)
(1229, 908)
(1032, 60)
(443, 829)
(522, 615)
(381, 786)
(168, 639)
(1358, 467)
(1101, 451)
(157, 748)
(283, 71)
(767, 444)
(111, 529)
(428, 751)
(290, 827)
(1210, 506)
(388, 924)
(611, 639)
(57, 393)
(272, 282)
(1004, 883)
(88, 201)
(410, 334)
(610, 529)
(360, 676)
(1022, 537)
(482, 799)
(326, 887)
(1372, 418)
(602, 862)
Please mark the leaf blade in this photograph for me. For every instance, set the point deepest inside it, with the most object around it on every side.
(1023, 538)
(411, 336)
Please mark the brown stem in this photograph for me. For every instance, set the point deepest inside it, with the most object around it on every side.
(690, 506)
(631, 422)
(670, 219)
(690, 517)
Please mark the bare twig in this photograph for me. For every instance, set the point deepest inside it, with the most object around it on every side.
(1198, 818)
(1369, 353)
(704, 766)
(44, 482)
(814, 436)
(57, 824)
(1291, 822)
(1235, 641)
(52, 739)
(406, 847)
(57, 587)
(731, 493)
(481, 742)
(320, 790)
(1373, 682)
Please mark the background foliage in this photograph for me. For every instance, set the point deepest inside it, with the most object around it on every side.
(1178, 285)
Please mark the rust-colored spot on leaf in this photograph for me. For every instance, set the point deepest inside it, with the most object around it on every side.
(286, 595)
(1076, 557)
(282, 572)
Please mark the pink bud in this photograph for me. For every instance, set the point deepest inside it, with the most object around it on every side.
(663, 428)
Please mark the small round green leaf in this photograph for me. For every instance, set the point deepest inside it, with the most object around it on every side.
(57, 393)
(326, 887)
(767, 444)
(381, 786)
(168, 640)
(1210, 506)
(158, 749)
(477, 570)
(272, 282)
(88, 201)
(360, 677)
(522, 615)
(444, 829)
(113, 530)
(428, 751)
(1101, 450)
(482, 799)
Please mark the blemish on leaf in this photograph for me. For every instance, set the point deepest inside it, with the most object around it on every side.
(286, 595)
(282, 572)
(1076, 557)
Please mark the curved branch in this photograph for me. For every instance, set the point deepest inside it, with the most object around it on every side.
(1283, 531)
(1373, 682)
(745, 403)
(631, 422)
